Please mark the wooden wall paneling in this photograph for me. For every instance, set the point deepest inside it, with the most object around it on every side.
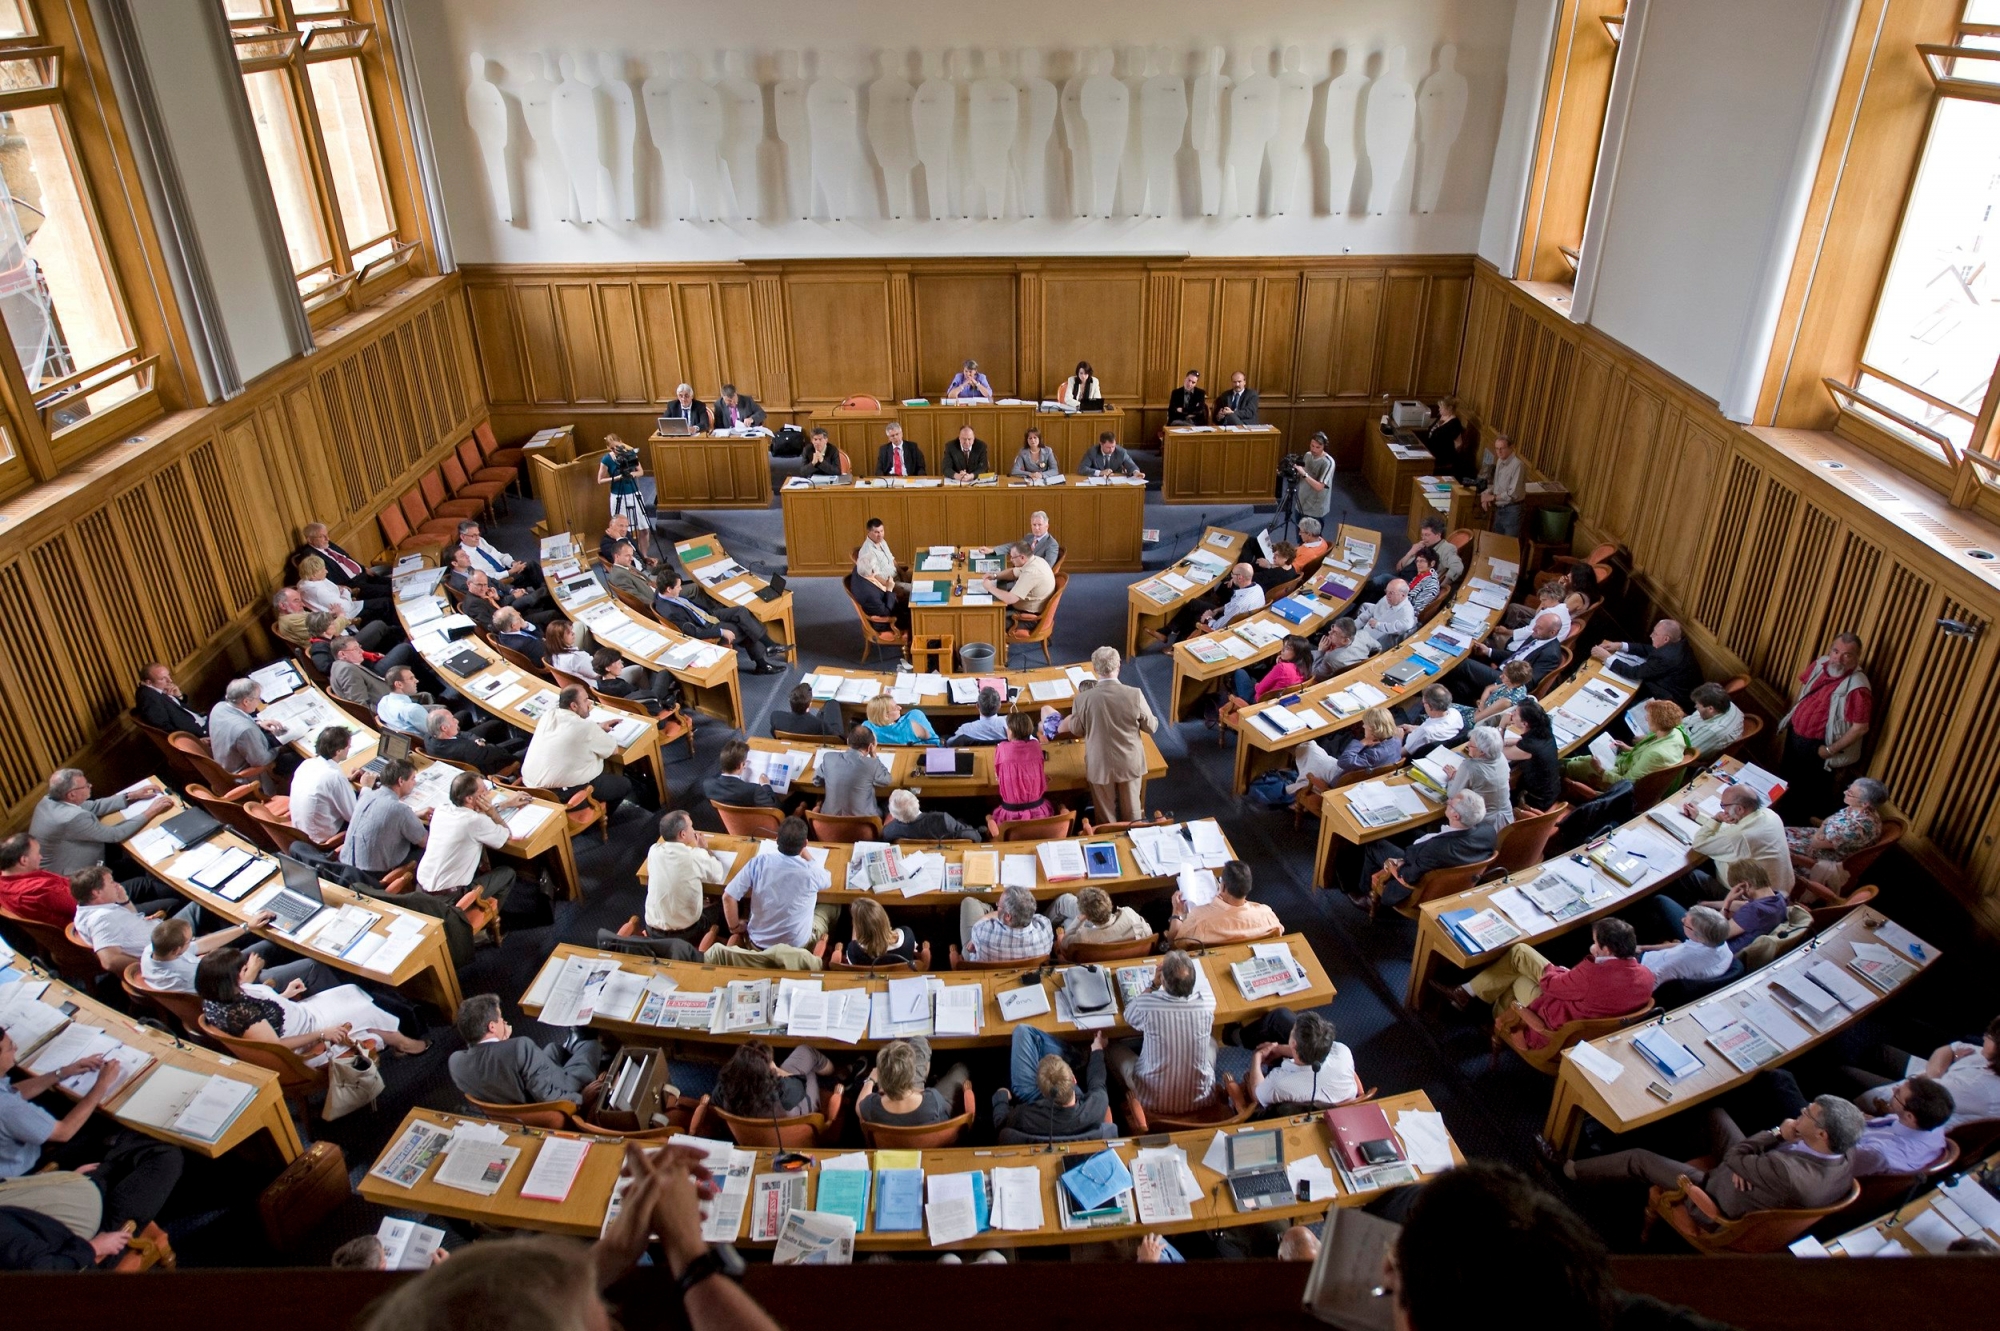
(407, 358)
(1358, 338)
(659, 340)
(458, 367)
(967, 316)
(1401, 330)
(1194, 333)
(739, 341)
(773, 332)
(1030, 316)
(840, 338)
(68, 636)
(1924, 705)
(308, 449)
(698, 321)
(1443, 336)
(1276, 363)
(1165, 367)
(583, 350)
(1099, 317)
(1235, 345)
(1319, 325)
(542, 341)
(124, 613)
(1803, 580)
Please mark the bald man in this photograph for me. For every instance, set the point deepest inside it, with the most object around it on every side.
(1663, 666)
(1542, 651)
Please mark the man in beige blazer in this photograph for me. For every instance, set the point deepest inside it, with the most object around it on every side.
(1112, 718)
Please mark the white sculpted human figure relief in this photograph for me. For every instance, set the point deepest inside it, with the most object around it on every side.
(656, 93)
(1131, 200)
(621, 112)
(934, 115)
(992, 115)
(742, 133)
(538, 94)
(579, 137)
(1253, 120)
(890, 134)
(1341, 132)
(1440, 117)
(1206, 116)
(1031, 139)
(1388, 124)
(486, 112)
(1076, 137)
(1163, 118)
(696, 109)
(1105, 105)
(788, 112)
(833, 117)
(1295, 101)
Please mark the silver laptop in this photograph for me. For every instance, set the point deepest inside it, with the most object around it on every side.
(300, 899)
(1256, 1170)
(676, 427)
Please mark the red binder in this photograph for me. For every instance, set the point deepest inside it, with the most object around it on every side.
(1356, 1126)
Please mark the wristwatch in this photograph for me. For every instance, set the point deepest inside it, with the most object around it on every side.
(720, 1259)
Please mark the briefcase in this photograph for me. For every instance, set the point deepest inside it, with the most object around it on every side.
(311, 1188)
(635, 1089)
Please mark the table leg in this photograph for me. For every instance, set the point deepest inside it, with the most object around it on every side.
(1565, 1121)
(1131, 630)
(277, 1120)
(1420, 966)
(1323, 853)
(442, 980)
(566, 863)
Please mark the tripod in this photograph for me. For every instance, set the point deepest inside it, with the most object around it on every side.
(1288, 505)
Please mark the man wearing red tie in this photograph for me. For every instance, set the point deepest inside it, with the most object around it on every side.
(342, 569)
(898, 458)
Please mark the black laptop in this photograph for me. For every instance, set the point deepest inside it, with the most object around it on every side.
(191, 828)
(300, 899)
(774, 590)
(391, 747)
(467, 663)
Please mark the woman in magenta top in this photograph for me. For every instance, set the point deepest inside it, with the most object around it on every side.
(1017, 766)
(1292, 669)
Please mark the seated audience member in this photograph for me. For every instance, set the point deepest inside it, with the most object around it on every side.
(469, 824)
(66, 820)
(1108, 458)
(30, 891)
(443, 740)
(1663, 745)
(241, 741)
(619, 678)
(874, 941)
(894, 1094)
(617, 532)
(1430, 536)
(1662, 667)
(799, 717)
(110, 924)
(496, 563)
(1380, 743)
(1610, 981)
(1817, 852)
(1031, 586)
(848, 777)
(965, 456)
(732, 626)
(784, 895)
(622, 574)
(1716, 722)
(1534, 753)
(1907, 1137)
(1548, 600)
(1173, 1069)
(159, 703)
(342, 567)
(753, 1085)
(322, 796)
(1541, 649)
(1749, 904)
(678, 866)
(1236, 598)
(367, 1254)
(1441, 723)
(1311, 544)
(1308, 1068)
(734, 410)
(893, 725)
(909, 822)
(1009, 930)
(1036, 460)
(1702, 953)
(1276, 571)
(293, 623)
(1467, 837)
(1019, 767)
(1042, 1101)
(568, 749)
(351, 677)
(512, 630)
(1971, 1072)
(132, 1173)
(558, 643)
(732, 784)
(238, 1005)
(1497, 698)
(502, 1068)
(877, 602)
(1800, 1164)
(1382, 623)
(174, 955)
(1482, 769)
(402, 708)
(1336, 650)
(1231, 917)
(1287, 672)
(1188, 404)
(385, 834)
(989, 727)
(1098, 920)
(1744, 831)
(1425, 586)
(322, 593)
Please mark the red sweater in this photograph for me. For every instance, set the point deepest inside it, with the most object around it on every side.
(38, 895)
(1594, 989)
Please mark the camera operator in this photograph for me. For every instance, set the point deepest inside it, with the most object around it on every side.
(620, 469)
(1314, 478)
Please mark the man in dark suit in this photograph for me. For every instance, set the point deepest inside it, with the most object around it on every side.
(1540, 650)
(732, 626)
(501, 1068)
(342, 569)
(444, 739)
(512, 632)
(1239, 405)
(1664, 667)
(798, 716)
(877, 603)
(732, 785)
(733, 409)
(897, 450)
(1468, 837)
(685, 407)
(158, 703)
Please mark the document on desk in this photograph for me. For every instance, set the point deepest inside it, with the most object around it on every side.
(476, 1166)
(555, 1169)
(1596, 1062)
(777, 1196)
(959, 1009)
(1425, 1139)
(1017, 1199)
(574, 996)
(910, 999)
(722, 1216)
(951, 1211)
(1018, 871)
(1164, 1186)
(815, 1238)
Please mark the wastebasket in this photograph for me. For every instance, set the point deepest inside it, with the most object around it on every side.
(1552, 525)
(976, 658)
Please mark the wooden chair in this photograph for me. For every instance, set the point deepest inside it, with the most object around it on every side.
(855, 403)
(1825, 917)
(548, 1115)
(1106, 829)
(75, 939)
(1759, 1231)
(403, 539)
(421, 519)
(674, 724)
(297, 1079)
(1753, 726)
(440, 502)
(1976, 1138)
(72, 960)
(927, 1137)
(477, 470)
(1523, 841)
(816, 738)
(183, 1008)
(1051, 828)
(276, 830)
(1647, 791)
(211, 772)
(232, 810)
(960, 962)
(583, 809)
(1508, 1031)
(877, 631)
(490, 450)
(745, 820)
(489, 493)
(1556, 676)
(1033, 630)
(1084, 954)
(1857, 864)
(1437, 883)
(799, 1130)
(163, 741)
(844, 828)
(1883, 1192)
(839, 962)
(1231, 1105)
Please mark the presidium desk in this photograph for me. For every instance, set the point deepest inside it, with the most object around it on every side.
(710, 471)
(1220, 464)
(1099, 526)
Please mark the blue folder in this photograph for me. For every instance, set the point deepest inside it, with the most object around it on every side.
(899, 1201)
(1097, 1180)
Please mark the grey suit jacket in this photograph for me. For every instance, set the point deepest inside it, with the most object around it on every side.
(1449, 849)
(236, 740)
(521, 1072)
(71, 836)
(1779, 1179)
(849, 776)
(1093, 461)
(356, 683)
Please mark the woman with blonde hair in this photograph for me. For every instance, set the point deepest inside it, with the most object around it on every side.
(894, 1093)
(1380, 743)
(893, 725)
(875, 941)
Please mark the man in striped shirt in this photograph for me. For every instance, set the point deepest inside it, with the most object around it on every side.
(1173, 1069)
(1011, 931)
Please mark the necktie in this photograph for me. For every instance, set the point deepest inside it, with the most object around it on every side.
(896, 462)
(485, 552)
(700, 615)
(347, 566)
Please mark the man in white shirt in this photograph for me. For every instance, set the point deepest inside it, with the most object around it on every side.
(496, 563)
(1316, 1068)
(1743, 830)
(322, 796)
(677, 868)
(107, 922)
(1702, 955)
(568, 750)
(400, 708)
(1240, 598)
(1441, 724)
(173, 956)
(471, 823)
(1971, 1072)
(1383, 622)
(1548, 601)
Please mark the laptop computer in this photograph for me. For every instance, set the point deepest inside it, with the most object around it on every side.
(191, 828)
(774, 590)
(948, 762)
(391, 747)
(1256, 1170)
(676, 427)
(300, 899)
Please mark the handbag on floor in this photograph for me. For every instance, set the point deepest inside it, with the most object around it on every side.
(353, 1080)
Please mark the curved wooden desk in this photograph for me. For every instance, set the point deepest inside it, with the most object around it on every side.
(1151, 603)
(1064, 770)
(698, 554)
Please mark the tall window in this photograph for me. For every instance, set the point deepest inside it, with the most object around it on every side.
(1927, 368)
(307, 81)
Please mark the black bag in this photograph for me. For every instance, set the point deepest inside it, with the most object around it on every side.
(788, 442)
(527, 905)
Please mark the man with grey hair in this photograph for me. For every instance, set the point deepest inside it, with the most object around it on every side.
(1337, 650)
(1802, 1164)
(1038, 542)
(1173, 1069)
(1113, 720)
(1467, 837)
(500, 1067)
(989, 727)
(1011, 930)
(66, 824)
(1703, 954)
(1238, 598)
(1439, 722)
(1541, 649)
(240, 741)
(1031, 581)
(687, 407)
(1742, 830)
(1825, 728)
(1483, 768)
(909, 822)
(1384, 622)
(485, 756)
(510, 630)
